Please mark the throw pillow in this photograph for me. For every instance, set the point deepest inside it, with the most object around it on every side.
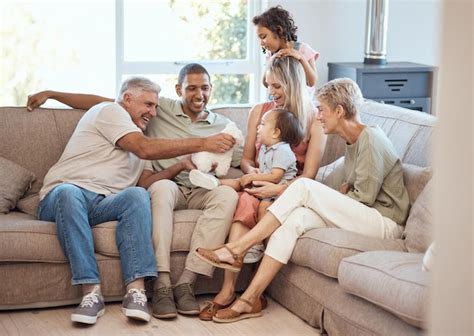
(419, 226)
(14, 182)
(415, 179)
(29, 204)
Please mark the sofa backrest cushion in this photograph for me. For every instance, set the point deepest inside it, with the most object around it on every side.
(409, 131)
(419, 225)
(35, 140)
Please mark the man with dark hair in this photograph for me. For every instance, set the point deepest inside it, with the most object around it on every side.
(169, 186)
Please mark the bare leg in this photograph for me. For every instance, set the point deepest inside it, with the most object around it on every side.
(87, 288)
(267, 271)
(137, 284)
(233, 183)
(262, 230)
(226, 294)
(262, 208)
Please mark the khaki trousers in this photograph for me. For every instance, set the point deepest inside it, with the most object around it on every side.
(308, 204)
(211, 228)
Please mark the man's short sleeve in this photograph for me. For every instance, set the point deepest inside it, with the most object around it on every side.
(113, 122)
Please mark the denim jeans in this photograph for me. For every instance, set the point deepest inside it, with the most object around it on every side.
(76, 210)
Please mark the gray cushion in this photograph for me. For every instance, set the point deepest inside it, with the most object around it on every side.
(415, 179)
(323, 249)
(419, 225)
(14, 181)
(391, 280)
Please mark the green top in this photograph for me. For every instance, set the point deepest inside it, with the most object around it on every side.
(374, 171)
(171, 122)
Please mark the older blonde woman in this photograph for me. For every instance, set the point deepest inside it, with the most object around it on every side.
(366, 195)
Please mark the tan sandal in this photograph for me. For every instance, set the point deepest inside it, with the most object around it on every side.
(229, 315)
(210, 309)
(211, 257)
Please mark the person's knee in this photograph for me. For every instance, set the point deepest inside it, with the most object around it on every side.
(226, 195)
(137, 197)
(162, 189)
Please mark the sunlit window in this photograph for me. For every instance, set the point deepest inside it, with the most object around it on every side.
(59, 45)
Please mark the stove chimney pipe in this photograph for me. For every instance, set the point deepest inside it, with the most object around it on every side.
(376, 32)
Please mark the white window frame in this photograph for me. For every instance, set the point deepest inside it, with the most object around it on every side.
(251, 65)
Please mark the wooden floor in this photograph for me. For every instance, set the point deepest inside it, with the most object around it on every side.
(276, 320)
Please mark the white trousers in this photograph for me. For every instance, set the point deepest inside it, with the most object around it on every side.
(308, 204)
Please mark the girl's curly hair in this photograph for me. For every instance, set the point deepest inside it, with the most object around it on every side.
(279, 21)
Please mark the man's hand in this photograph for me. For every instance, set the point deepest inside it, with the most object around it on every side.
(219, 143)
(187, 163)
(37, 99)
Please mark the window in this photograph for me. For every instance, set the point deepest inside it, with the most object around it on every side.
(52, 45)
(91, 46)
(156, 38)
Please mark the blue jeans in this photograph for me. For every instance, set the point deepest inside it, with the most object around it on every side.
(76, 210)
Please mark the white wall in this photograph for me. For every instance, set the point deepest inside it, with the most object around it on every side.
(336, 28)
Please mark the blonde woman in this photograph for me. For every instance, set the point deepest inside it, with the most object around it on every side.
(287, 86)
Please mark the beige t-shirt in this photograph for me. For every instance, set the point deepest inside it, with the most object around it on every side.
(92, 160)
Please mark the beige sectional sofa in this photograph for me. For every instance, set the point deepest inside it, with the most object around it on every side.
(339, 282)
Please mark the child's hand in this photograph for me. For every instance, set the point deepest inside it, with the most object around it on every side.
(246, 180)
(253, 170)
(289, 52)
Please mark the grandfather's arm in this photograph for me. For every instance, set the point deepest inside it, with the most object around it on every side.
(155, 148)
(74, 100)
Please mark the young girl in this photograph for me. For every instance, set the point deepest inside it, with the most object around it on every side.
(277, 33)
(278, 130)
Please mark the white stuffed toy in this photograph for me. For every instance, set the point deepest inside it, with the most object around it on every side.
(205, 160)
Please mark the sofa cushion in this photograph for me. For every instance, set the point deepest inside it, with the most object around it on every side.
(419, 225)
(323, 249)
(14, 181)
(391, 280)
(415, 179)
(29, 204)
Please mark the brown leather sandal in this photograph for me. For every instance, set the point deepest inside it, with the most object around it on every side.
(229, 315)
(210, 309)
(211, 257)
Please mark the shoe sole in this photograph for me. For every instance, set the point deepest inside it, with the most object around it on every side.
(198, 179)
(136, 314)
(189, 312)
(238, 318)
(220, 265)
(87, 319)
(165, 316)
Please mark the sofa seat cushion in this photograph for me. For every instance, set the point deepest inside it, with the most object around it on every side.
(391, 280)
(323, 249)
(23, 238)
(184, 221)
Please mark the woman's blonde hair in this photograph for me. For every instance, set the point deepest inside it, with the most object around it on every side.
(344, 92)
(289, 72)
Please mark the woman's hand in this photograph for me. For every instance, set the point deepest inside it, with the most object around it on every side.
(265, 189)
(246, 180)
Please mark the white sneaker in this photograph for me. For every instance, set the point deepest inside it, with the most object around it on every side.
(254, 254)
(203, 180)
